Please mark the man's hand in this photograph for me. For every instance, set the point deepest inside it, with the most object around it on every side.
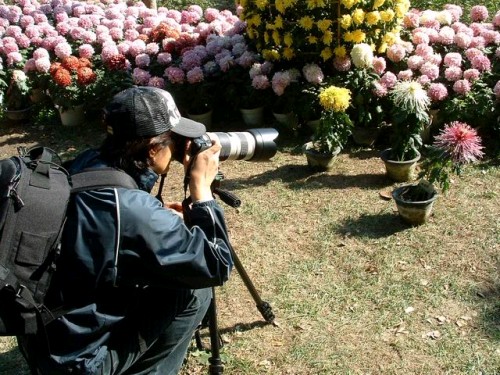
(176, 207)
(204, 168)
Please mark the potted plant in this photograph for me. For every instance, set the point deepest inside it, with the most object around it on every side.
(72, 87)
(409, 113)
(333, 131)
(456, 145)
(17, 102)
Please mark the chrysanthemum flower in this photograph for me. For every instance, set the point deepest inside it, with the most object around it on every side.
(62, 77)
(460, 141)
(335, 99)
(411, 97)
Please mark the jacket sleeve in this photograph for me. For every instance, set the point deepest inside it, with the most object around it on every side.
(158, 249)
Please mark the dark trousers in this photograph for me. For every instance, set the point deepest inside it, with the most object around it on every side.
(155, 337)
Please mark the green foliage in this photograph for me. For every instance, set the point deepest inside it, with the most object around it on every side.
(333, 131)
(181, 4)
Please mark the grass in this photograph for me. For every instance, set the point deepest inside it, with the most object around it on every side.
(354, 290)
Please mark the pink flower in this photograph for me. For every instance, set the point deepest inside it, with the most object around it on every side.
(380, 90)
(396, 53)
(195, 75)
(496, 19)
(280, 82)
(313, 74)
(420, 38)
(14, 58)
(446, 35)
(342, 64)
(260, 82)
(481, 63)
(496, 90)
(462, 40)
(62, 50)
(379, 65)
(479, 13)
(472, 74)
(455, 10)
(424, 50)
(462, 86)
(389, 79)
(411, 20)
(453, 73)
(430, 70)
(460, 141)
(477, 42)
(453, 59)
(473, 52)
(164, 58)
(405, 75)
(211, 14)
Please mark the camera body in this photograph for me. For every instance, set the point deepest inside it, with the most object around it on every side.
(251, 145)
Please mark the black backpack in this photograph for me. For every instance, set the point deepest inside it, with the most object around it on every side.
(34, 192)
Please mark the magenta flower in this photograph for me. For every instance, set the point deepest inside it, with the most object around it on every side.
(460, 141)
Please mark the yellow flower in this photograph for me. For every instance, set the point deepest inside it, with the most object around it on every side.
(261, 4)
(267, 38)
(327, 38)
(312, 4)
(358, 36)
(324, 24)
(387, 15)
(311, 39)
(340, 51)
(288, 39)
(306, 23)
(382, 48)
(390, 38)
(401, 10)
(372, 18)
(378, 3)
(326, 53)
(278, 22)
(276, 38)
(280, 6)
(345, 21)
(270, 54)
(254, 20)
(243, 3)
(348, 36)
(358, 16)
(335, 98)
(251, 33)
(288, 53)
(348, 3)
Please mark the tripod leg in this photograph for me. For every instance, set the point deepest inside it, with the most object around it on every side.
(216, 366)
(264, 307)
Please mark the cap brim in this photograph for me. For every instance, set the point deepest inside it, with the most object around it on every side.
(189, 128)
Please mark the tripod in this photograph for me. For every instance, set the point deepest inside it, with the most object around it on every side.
(210, 319)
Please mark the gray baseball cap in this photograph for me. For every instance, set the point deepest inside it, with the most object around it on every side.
(144, 112)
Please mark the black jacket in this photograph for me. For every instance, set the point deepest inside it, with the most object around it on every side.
(118, 242)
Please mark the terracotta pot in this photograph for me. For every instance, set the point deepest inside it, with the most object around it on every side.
(413, 212)
(399, 171)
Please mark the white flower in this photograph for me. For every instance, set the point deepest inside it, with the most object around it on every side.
(18, 76)
(362, 55)
(444, 17)
(410, 96)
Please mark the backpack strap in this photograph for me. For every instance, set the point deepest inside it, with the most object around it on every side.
(97, 178)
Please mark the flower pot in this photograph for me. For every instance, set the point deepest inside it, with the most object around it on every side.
(313, 124)
(319, 161)
(37, 96)
(72, 116)
(289, 120)
(19, 114)
(365, 136)
(413, 212)
(253, 116)
(399, 171)
(204, 118)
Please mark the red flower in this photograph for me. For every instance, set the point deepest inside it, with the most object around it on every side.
(461, 142)
(116, 62)
(62, 77)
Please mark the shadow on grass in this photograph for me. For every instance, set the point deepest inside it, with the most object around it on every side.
(490, 315)
(372, 226)
(13, 363)
(299, 177)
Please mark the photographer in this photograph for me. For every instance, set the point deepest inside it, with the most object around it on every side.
(135, 275)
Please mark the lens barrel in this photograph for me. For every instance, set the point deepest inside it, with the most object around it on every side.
(251, 145)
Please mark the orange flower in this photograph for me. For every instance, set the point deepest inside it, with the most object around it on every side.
(85, 76)
(84, 62)
(54, 67)
(62, 77)
(71, 63)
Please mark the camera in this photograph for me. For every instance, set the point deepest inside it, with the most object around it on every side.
(251, 145)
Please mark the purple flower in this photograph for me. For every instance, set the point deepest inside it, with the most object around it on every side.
(141, 76)
(164, 58)
(142, 60)
(195, 75)
(158, 82)
(460, 141)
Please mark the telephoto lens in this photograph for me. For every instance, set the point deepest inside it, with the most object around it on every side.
(250, 145)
